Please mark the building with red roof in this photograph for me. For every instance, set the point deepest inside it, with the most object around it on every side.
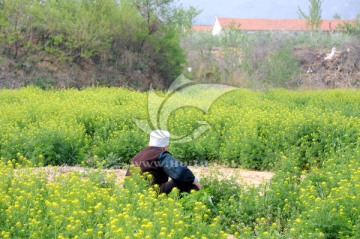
(247, 24)
(202, 28)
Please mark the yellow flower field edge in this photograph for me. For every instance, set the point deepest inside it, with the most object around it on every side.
(92, 205)
(96, 126)
(321, 203)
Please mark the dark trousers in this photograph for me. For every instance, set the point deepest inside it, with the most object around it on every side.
(168, 186)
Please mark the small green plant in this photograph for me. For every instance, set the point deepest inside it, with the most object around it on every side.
(313, 18)
(279, 68)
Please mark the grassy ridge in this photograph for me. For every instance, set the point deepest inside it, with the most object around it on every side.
(247, 128)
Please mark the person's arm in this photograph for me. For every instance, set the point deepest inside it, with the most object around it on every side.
(176, 170)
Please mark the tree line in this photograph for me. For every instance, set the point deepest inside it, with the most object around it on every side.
(126, 35)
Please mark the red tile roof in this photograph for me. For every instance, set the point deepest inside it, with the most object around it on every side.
(202, 28)
(277, 24)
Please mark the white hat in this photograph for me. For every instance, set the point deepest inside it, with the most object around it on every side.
(159, 138)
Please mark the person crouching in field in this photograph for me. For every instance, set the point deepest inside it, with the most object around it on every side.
(156, 160)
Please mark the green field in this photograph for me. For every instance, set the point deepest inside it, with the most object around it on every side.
(310, 139)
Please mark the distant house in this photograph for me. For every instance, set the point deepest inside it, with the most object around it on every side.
(202, 28)
(254, 25)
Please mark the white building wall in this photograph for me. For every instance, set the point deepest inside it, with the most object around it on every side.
(217, 28)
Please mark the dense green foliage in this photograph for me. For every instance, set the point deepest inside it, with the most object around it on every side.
(246, 128)
(123, 36)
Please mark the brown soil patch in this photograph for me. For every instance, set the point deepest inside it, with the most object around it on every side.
(329, 68)
(242, 176)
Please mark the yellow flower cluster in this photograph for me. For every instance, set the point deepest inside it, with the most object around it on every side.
(330, 199)
(313, 133)
(96, 126)
(75, 206)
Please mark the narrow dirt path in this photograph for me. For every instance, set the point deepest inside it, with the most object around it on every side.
(241, 176)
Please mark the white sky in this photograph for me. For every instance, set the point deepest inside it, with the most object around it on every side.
(347, 9)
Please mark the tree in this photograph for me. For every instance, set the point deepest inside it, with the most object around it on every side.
(155, 13)
(15, 23)
(352, 28)
(314, 16)
(161, 43)
(337, 16)
(184, 18)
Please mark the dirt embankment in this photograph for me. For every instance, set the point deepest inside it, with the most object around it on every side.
(331, 68)
(320, 68)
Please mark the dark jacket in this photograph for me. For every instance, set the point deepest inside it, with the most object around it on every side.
(162, 165)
